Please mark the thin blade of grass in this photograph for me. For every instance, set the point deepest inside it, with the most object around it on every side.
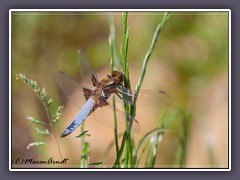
(84, 133)
(114, 63)
(85, 149)
(147, 57)
(153, 154)
(180, 159)
(46, 132)
(41, 94)
(96, 163)
(145, 137)
(35, 144)
(164, 120)
(142, 153)
(34, 120)
(120, 150)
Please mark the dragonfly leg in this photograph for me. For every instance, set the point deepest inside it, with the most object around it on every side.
(118, 95)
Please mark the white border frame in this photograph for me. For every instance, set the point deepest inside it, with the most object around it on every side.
(120, 10)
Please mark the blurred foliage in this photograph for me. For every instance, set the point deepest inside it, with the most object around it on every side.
(193, 49)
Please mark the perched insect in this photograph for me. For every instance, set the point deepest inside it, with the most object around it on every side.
(98, 97)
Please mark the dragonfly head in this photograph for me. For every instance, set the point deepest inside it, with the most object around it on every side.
(118, 76)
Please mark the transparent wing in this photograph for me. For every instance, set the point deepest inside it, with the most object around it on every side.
(86, 71)
(153, 97)
(145, 97)
(105, 116)
(72, 90)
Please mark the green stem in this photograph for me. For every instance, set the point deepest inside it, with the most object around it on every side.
(85, 150)
(124, 49)
(127, 84)
(53, 133)
(114, 62)
(35, 86)
(130, 149)
(147, 57)
(121, 150)
(127, 141)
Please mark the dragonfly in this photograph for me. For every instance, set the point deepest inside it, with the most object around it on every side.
(97, 99)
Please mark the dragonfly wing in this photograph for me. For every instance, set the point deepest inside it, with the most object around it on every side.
(105, 116)
(153, 97)
(145, 97)
(80, 117)
(72, 90)
(86, 71)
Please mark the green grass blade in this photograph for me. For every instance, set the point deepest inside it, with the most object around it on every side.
(34, 120)
(84, 133)
(42, 96)
(46, 132)
(148, 55)
(35, 144)
(114, 63)
(144, 138)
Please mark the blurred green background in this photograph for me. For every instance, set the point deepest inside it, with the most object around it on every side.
(190, 63)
